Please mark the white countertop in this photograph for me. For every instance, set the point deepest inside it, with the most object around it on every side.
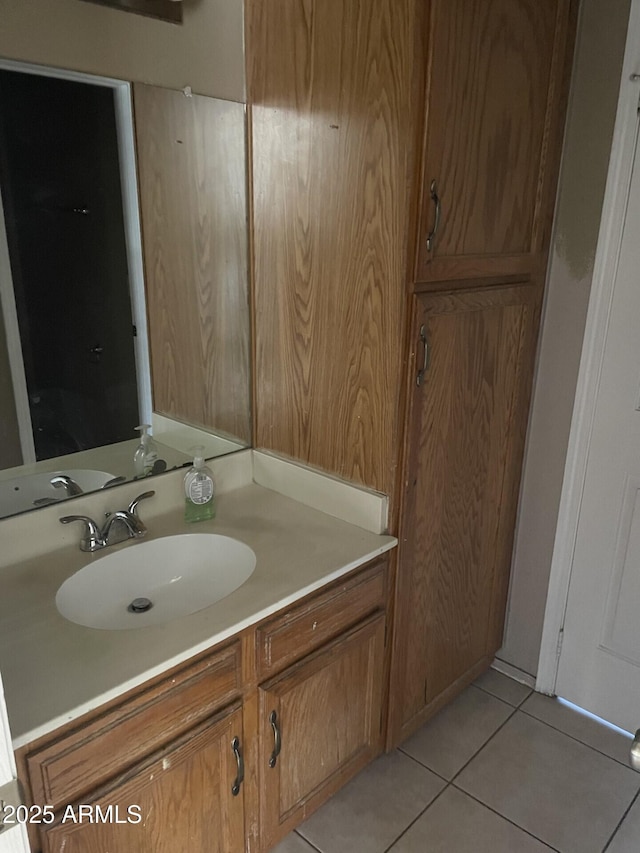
(55, 671)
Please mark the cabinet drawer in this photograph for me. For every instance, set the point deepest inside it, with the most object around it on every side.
(302, 629)
(79, 761)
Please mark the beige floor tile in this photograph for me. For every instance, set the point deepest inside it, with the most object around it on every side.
(293, 844)
(453, 736)
(627, 838)
(503, 687)
(578, 726)
(561, 791)
(369, 813)
(457, 824)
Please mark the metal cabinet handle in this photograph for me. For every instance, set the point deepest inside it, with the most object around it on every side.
(235, 746)
(425, 359)
(435, 198)
(277, 739)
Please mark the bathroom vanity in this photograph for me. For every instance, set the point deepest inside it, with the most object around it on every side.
(226, 727)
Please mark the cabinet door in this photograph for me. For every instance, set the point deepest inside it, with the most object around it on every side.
(461, 473)
(493, 125)
(320, 724)
(184, 799)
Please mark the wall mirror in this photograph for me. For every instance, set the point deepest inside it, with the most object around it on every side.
(123, 280)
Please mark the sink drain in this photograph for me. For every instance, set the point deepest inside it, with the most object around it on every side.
(140, 605)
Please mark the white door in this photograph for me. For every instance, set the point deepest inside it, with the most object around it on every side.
(14, 838)
(599, 665)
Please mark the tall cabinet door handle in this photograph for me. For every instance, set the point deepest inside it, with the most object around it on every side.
(235, 746)
(435, 198)
(277, 739)
(425, 358)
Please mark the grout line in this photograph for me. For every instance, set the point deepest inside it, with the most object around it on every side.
(417, 818)
(489, 739)
(504, 817)
(621, 821)
(526, 698)
(475, 754)
(576, 739)
(424, 766)
(501, 698)
(450, 782)
(513, 710)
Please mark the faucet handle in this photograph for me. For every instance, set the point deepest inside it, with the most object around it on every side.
(92, 539)
(115, 481)
(62, 481)
(133, 506)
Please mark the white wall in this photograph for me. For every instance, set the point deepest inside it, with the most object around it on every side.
(590, 121)
(206, 52)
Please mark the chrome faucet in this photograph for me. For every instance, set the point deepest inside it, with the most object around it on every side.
(71, 488)
(120, 525)
(62, 481)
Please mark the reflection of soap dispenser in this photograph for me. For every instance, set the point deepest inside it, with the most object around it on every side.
(146, 452)
(199, 490)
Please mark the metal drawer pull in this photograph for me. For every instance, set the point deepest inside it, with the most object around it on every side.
(235, 746)
(277, 739)
(435, 198)
(634, 756)
(425, 360)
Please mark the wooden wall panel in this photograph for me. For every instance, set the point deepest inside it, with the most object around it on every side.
(192, 171)
(330, 88)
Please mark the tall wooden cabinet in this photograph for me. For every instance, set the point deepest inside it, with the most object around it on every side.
(495, 93)
(405, 157)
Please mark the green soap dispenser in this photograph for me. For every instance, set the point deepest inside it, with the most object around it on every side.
(199, 490)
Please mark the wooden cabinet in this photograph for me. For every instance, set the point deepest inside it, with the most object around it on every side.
(493, 124)
(355, 109)
(321, 724)
(231, 751)
(470, 382)
(180, 798)
(321, 675)
(495, 83)
(167, 748)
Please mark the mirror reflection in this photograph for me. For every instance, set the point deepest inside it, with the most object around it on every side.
(80, 365)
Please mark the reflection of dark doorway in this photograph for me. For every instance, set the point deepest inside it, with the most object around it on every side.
(60, 180)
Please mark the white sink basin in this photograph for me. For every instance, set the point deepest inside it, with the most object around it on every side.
(178, 575)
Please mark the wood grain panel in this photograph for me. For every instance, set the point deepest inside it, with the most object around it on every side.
(330, 85)
(184, 795)
(192, 172)
(493, 124)
(465, 443)
(329, 711)
(299, 631)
